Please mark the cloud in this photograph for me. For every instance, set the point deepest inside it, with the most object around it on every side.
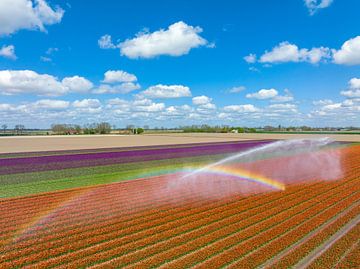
(105, 42)
(354, 89)
(288, 97)
(177, 40)
(120, 88)
(87, 103)
(251, 58)
(49, 52)
(283, 108)
(112, 76)
(27, 14)
(51, 104)
(204, 105)
(287, 52)
(354, 83)
(166, 91)
(237, 89)
(263, 94)
(29, 82)
(201, 100)
(77, 84)
(314, 5)
(322, 102)
(349, 54)
(8, 52)
(241, 108)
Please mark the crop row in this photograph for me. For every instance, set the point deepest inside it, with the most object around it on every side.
(105, 212)
(351, 259)
(113, 149)
(330, 257)
(167, 221)
(297, 253)
(94, 197)
(22, 165)
(245, 240)
(109, 212)
(246, 218)
(259, 257)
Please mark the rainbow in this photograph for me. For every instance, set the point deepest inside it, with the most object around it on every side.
(219, 169)
(245, 175)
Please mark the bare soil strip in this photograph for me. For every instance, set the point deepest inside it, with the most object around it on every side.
(52, 143)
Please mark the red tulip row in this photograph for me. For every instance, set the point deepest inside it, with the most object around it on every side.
(94, 209)
(30, 204)
(182, 217)
(259, 257)
(165, 244)
(306, 247)
(208, 233)
(329, 258)
(45, 245)
(96, 222)
(351, 259)
(245, 237)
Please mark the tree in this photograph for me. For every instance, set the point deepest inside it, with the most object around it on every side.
(4, 127)
(139, 130)
(103, 128)
(58, 128)
(19, 128)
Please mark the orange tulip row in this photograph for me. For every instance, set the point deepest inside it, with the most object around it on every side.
(275, 246)
(305, 248)
(351, 260)
(209, 232)
(157, 232)
(221, 252)
(329, 258)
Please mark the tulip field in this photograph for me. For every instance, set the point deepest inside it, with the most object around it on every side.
(118, 208)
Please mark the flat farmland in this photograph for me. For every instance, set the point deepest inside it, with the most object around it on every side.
(51, 143)
(118, 208)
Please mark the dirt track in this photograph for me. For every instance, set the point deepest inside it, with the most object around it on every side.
(49, 143)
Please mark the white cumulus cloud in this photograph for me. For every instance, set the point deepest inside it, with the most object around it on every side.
(114, 76)
(119, 88)
(27, 14)
(349, 54)
(51, 104)
(8, 52)
(105, 42)
(77, 84)
(287, 52)
(241, 108)
(201, 100)
(263, 94)
(29, 82)
(237, 89)
(87, 103)
(177, 40)
(166, 91)
(251, 58)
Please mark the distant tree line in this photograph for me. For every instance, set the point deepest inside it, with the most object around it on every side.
(69, 129)
(215, 129)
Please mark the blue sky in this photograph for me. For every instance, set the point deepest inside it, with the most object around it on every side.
(170, 63)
